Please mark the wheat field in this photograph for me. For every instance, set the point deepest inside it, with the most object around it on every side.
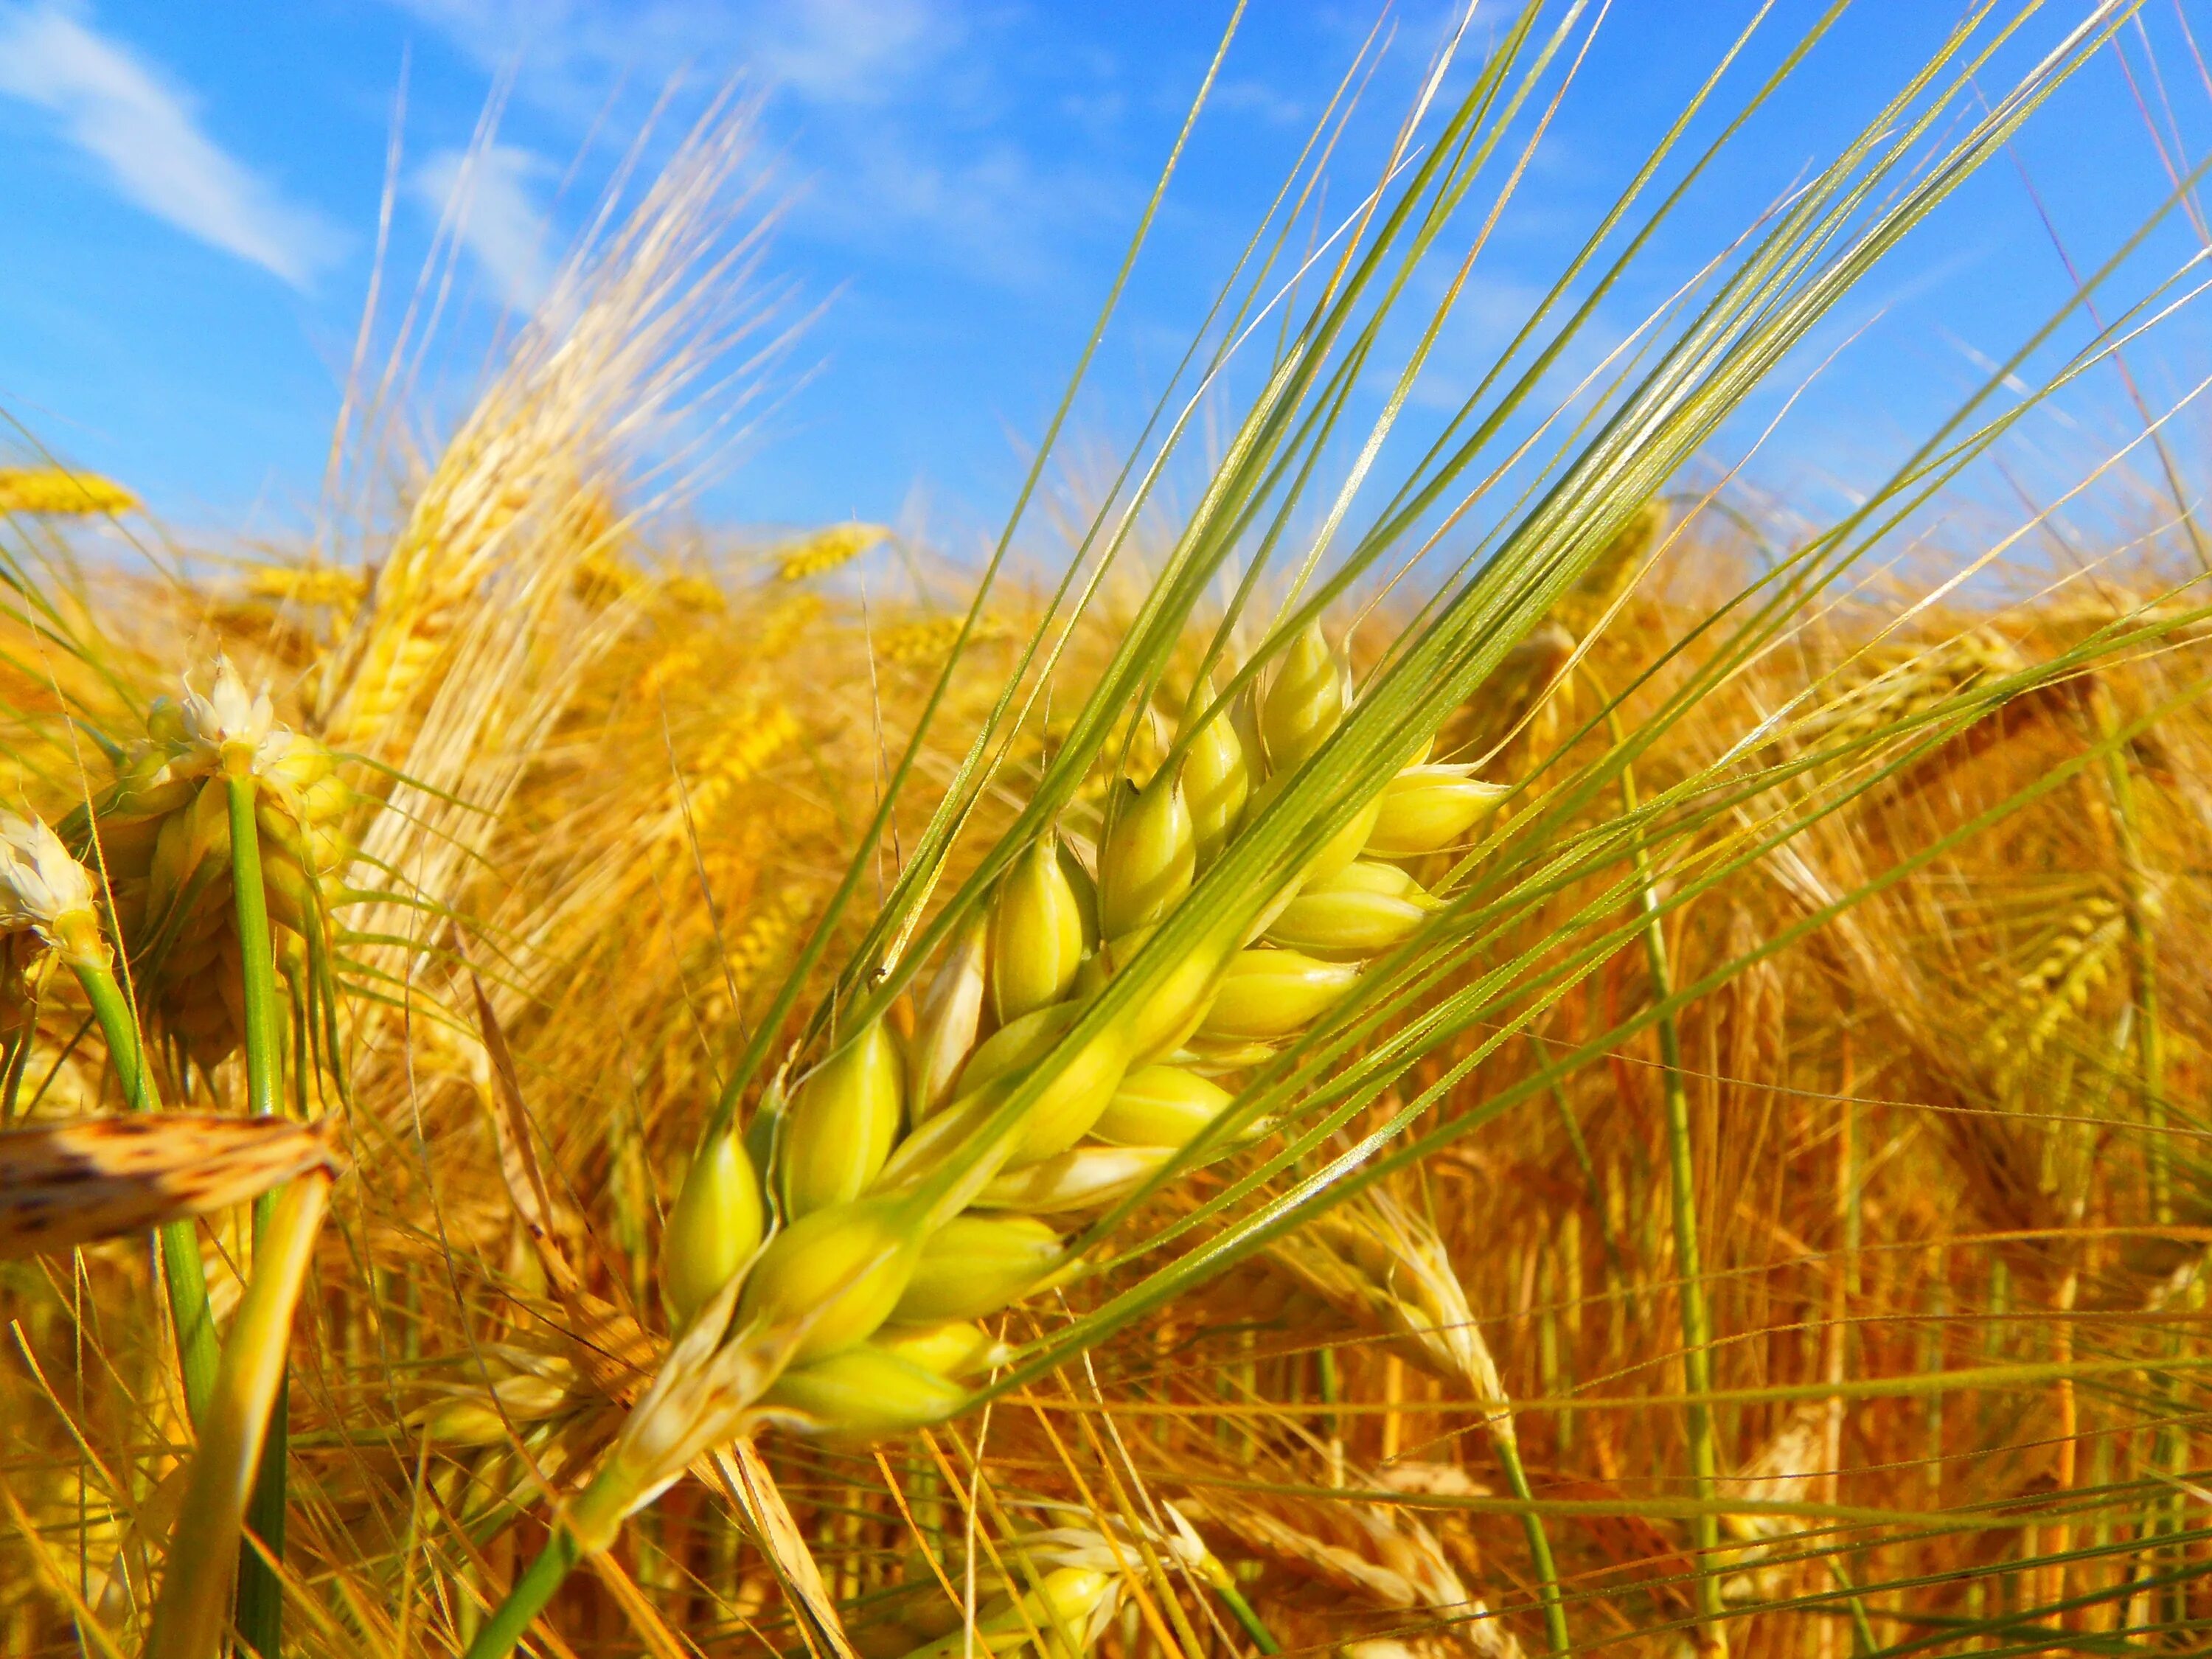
(1653, 1048)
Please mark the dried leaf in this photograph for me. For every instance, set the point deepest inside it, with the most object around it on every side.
(518, 1154)
(781, 1540)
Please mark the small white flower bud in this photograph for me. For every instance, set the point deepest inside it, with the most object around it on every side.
(227, 719)
(43, 889)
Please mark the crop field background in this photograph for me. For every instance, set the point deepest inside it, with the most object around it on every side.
(1369, 1030)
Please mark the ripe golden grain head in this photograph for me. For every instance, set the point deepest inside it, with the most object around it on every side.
(313, 585)
(925, 642)
(825, 550)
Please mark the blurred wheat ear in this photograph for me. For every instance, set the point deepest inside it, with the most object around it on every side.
(72, 1182)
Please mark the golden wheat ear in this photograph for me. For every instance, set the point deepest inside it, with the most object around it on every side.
(58, 492)
(91, 1178)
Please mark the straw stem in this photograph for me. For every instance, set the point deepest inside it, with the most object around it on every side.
(188, 1619)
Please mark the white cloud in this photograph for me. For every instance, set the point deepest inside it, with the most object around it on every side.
(843, 51)
(144, 130)
(864, 92)
(989, 210)
(496, 215)
(1258, 98)
(1490, 312)
(827, 52)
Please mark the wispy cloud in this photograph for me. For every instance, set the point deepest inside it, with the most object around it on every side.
(1490, 311)
(990, 211)
(145, 132)
(489, 193)
(847, 51)
(1257, 98)
(828, 53)
(887, 115)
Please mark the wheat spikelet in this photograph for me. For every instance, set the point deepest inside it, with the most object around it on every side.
(1884, 686)
(873, 1186)
(800, 1351)
(473, 646)
(162, 832)
(1375, 1261)
(761, 938)
(2074, 960)
(1385, 1555)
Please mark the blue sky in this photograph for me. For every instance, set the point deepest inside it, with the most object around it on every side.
(189, 201)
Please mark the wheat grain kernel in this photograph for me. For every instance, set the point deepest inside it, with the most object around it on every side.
(840, 1271)
(1160, 1106)
(1426, 809)
(1038, 938)
(1305, 702)
(1362, 910)
(714, 1227)
(1148, 859)
(843, 1122)
(865, 1391)
(1216, 781)
(1267, 994)
(976, 1265)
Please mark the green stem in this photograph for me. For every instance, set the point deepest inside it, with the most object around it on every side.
(197, 1351)
(1697, 1315)
(264, 1043)
(260, 1597)
(2143, 950)
(1233, 1599)
(593, 1521)
(497, 1635)
(197, 1354)
(11, 1077)
(1540, 1545)
(120, 1028)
